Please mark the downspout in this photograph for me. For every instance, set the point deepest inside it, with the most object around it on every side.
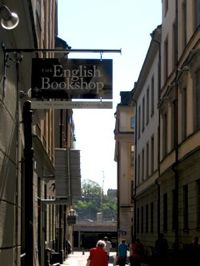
(118, 195)
(28, 155)
(117, 156)
(159, 142)
(60, 242)
(17, 117)
(157, 182)
(174, 166)
(135, 177)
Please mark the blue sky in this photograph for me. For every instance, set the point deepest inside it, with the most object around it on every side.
(106, 24)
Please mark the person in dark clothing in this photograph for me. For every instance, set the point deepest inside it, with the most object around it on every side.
(193, 252)
(68, 247)
(136, 249)
(161, 251)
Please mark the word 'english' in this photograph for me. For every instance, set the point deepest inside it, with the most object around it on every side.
(81, 72)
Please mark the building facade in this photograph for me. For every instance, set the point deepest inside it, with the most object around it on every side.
(27, 223)
(145, 95)
(179, 120)
(167, 198)
(124, 153)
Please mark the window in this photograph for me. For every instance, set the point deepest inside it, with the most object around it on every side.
(132, 155)
(132, 122)
(143, 164)
(152, 154)
(184, 20)
(197, 13)
(139, 121)
(165, 59)
(152, 216)
(138, 172)
(184, 113)
(165, 212)
(143, 113)
(197, 99)
(165, 7)
(142, 220)
(185, 207)
(198, 204)
(173, 125)
(147, 219)
(174, 51)
(147, 160)
(173, 210)
(132, 191)
(165, 134)
(147, 107)
(152, 96)
(138, 220)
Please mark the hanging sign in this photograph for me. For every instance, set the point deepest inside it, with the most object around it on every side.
(59, 78)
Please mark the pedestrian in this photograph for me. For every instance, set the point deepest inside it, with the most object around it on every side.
(136, 249)
(161, 251)
(98, 256)
(122, 253)
(193, 252)
(108, 245)
(68, 246)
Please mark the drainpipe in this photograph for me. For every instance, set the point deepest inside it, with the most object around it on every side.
(158, 206)
(135, 165)
(28, 155)
(135, 197)
(159, 142)
(174, 167)
(60, 210)
(157, 183)
(118, 195)
(116, 132)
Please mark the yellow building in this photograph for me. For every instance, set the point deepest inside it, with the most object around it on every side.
(167, 198)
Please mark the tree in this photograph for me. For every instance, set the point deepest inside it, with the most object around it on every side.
(93, 200)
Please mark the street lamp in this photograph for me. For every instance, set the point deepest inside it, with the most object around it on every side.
(9, 20)
(71, 217)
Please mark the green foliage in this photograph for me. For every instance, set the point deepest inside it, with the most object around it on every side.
(93, 200)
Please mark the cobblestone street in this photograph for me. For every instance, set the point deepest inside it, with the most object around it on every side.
(78, 259)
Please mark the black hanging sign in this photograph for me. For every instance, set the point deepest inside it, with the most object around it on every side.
(59, 78)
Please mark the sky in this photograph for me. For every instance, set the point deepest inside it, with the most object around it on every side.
(106, 24)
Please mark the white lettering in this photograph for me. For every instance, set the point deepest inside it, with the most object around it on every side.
(45, 83)
(58, 69)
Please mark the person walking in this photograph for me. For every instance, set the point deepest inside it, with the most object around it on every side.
(193, 252)
(108, 245)
(98, 256)
(161, 251)
(122, 253)
(136, 249)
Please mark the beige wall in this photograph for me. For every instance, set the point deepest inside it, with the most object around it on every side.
(11, 151)
(181, 162)
(124, 136)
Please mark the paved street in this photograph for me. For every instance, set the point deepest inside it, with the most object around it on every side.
(78, 259)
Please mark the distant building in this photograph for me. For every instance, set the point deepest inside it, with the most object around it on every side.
(112, 193)
(145, 94)
(124, 153)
